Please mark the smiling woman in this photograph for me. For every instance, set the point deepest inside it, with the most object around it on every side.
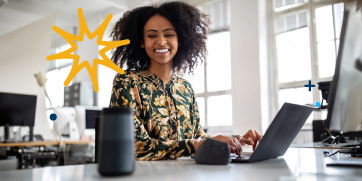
(189, 26)
(160, 42)
(166, 40)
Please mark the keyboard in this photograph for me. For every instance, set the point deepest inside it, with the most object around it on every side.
(244, 157)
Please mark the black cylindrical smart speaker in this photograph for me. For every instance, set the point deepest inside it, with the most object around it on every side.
(116, 154)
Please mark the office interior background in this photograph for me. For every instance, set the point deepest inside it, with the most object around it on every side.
(261, 53)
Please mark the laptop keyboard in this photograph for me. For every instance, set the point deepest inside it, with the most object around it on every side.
(243, 156)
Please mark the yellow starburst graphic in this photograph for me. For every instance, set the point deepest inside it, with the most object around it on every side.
(70, 38)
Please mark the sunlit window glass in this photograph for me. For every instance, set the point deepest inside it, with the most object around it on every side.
(328, 25)
(197, 79)
(51, 86)
(297, 96)
(218, 64)
(201, 106)
(338, 18)
(219, 110)
(58, 71)
(63, 74)
(64, 62)
(324, 23)
(105, 80)
(293, 53)
(286, 3)
(326, 58)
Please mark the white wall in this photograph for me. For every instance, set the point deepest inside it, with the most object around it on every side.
(245, 70)
(22, 54)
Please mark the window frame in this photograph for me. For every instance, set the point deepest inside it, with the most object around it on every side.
(222, 26)
(310, 6)
(206, 94)
(58, 68)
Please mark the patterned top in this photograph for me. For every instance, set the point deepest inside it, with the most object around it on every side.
(166, 116)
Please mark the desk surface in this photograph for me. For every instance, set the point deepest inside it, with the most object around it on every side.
(296, 164)
(72, 142)
(35, 143)
(321, 145)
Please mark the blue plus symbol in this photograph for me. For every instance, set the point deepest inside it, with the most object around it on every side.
(309, 86)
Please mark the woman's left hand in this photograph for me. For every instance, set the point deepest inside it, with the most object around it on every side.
(252, 137)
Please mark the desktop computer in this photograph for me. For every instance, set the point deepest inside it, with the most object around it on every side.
(89, 118)
(73, 122)
(67, 125)
(17, 110)
(344, 116)
(85, 119)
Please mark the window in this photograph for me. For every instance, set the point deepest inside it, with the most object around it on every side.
(305, 50)
(105, 81)
(58, 71)
(328, 29)
(212, 80)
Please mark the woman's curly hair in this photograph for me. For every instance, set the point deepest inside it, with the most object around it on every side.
(191, 27)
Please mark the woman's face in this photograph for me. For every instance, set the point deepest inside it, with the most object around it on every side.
(160, 40)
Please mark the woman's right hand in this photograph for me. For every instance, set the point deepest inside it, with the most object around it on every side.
(235, 146)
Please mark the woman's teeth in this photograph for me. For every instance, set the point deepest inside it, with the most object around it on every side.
(161, 50)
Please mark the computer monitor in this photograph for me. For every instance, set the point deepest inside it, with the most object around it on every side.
(81, 118)
(17, 110)
(345, 99)
(65, 115)
(89, 118)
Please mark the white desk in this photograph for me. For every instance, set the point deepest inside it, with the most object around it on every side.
(296, 164)
(326, 146)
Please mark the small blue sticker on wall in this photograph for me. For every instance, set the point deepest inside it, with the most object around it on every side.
(53, 117)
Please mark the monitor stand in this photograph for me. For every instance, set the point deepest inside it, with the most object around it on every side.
(31, 133)
(354, 149)
(353, 134)
(347, 139)
(6, 133)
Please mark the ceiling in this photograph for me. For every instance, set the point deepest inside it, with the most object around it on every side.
(15, 14)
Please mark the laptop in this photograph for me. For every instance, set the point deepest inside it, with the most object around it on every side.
(280, 134)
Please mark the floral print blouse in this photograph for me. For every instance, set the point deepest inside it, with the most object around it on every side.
(166, 117)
